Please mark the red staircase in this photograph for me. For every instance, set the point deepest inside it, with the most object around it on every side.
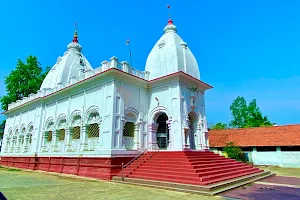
(187, 167)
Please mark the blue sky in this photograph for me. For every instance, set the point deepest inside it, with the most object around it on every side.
(246, 48)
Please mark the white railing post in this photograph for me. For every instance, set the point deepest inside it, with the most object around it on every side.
(114, 62)
(125, 66)
(147, 75)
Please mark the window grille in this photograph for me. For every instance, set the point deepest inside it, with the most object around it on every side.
(93, 130)
(62, 133)
(128, 130)
(76, 133)
(49, 138)
(162, 128)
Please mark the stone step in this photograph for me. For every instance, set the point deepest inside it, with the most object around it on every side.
(209, 190)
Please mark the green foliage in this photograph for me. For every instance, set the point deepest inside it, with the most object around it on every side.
(219, 126)
(247, 116)
(234, 151)
(24, 80)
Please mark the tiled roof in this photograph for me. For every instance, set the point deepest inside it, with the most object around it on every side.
(288, 135)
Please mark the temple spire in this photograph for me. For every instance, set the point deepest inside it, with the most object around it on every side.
(75, 38)
(170, 26)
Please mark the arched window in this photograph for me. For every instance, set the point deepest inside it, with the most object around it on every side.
(61, 126)
(30, 134)
(76, 122)
(128, 130)
(93, 130)
(62, 133)
(16, 132)
(76, 132)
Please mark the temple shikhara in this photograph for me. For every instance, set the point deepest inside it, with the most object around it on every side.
(90, 121)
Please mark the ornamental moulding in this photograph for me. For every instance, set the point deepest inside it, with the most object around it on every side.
(156, 112)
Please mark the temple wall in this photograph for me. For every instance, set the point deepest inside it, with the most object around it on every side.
(165, 98)
(109, 103)
(194, 115)
(47, 112)
(131, 105)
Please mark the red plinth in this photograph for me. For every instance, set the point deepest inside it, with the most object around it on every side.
(102, 168)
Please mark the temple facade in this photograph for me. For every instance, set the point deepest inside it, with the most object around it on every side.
(113, 110)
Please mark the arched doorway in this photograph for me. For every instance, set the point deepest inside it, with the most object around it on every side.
(192, 129)
(162, 133)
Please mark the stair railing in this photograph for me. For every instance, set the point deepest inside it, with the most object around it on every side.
(152, 147)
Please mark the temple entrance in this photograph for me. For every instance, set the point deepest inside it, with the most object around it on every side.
(162, 134)
(192, 132)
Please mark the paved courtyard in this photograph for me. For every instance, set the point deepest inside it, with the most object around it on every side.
(285, 185)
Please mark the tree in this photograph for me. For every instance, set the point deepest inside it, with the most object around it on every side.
(255, 117)
(239, 112)
(234, 151)
(247, 116)
(219, 126)
(24, 80)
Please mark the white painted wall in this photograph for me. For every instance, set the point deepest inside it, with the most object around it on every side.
(115, 99)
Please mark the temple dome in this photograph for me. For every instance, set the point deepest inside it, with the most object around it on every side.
(171, 54)
(71, 64)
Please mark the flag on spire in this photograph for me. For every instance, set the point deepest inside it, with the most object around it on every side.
(168, 6)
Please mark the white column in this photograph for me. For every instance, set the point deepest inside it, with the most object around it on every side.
(84, 138)
(7, 145)
(136, 144)
(55, 138)
(68, 140)
(141, 136)
(26, 142)
(206, 140)
(186, 138)
(152, 133)
(19, 143)
(44, 141)
(199, 137)
(11, 149)
(121, 142)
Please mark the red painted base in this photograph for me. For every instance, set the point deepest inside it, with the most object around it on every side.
(102, 168)
(188, 167)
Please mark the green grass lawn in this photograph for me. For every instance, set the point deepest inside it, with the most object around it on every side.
(16, 184)
(280, 171)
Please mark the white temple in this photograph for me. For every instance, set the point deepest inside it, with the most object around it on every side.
(113, 110)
